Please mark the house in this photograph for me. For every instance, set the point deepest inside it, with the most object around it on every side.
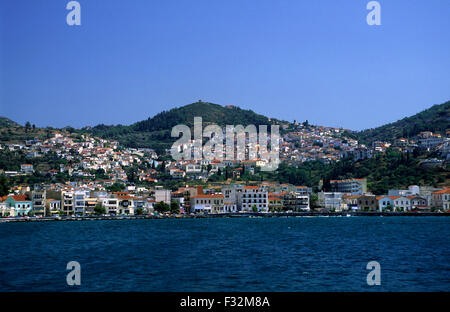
(441, 199)
(126, 204)
(385, 203)
(350, 202)
(229, 207)
(18, 205)
(418, 203)
(367, 202)
(4, 209)
(275, 202)
(53, 206)
(111, 205)
(207, 203)
(193, 169)
(401, 203)
(177, 173)
(26, 168)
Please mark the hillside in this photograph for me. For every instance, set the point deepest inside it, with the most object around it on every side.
(436, 119)
(6, 122)
(155, 131)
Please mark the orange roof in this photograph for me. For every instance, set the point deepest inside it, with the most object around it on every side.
(250, 187)
(444, 191)
(208, 196)
(20, 197)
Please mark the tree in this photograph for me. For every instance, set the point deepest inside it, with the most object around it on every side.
(174, 207)
(116, 187)
(254, 209)
(139, 211)
(162, 207)
(27, 126)
(99, 209)
(4, 185)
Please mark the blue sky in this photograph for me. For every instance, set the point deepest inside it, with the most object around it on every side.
(288, 59)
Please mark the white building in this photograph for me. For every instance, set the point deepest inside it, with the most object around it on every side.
(254, 198)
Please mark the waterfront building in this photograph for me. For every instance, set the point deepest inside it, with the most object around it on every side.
(67, 201)
(80, 196)
(18, 205)
(401, 203)
(350, 202)
(53, 206)
(162, 195)
(207, 203)
(367, 202)
(253, 198)
(330, 200)
(418, 203)
(111, 205)
(441, 199)
(350, 186)
(385, 203)
(39, 197)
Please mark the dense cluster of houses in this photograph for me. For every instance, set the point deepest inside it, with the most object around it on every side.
(86, 154)
(82, 199)
(352, 195)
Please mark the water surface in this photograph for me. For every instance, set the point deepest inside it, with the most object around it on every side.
(228, 254)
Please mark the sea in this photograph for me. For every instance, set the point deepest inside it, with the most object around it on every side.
(306, 254)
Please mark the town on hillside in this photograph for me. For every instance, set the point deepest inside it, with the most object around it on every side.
(85, 175)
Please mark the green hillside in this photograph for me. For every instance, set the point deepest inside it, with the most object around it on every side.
(436, 119)
(6, 122)
(155, 131)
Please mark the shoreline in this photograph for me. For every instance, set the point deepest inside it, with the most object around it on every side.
(230, 215)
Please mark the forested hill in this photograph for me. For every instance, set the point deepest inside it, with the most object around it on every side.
(155, 131)
(436, 119)
(210, 113)
(6, 122)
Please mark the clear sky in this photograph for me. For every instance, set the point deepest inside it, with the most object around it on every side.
(288, 59)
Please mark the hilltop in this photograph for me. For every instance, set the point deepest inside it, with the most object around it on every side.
(155, 131)
(435, 119)
(6, 122)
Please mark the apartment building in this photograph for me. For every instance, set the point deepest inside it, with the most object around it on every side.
(253, 198)
(330, 200)
(67, 200)
(349, 186)
(162, 195)
(39, 196)
(207, 203)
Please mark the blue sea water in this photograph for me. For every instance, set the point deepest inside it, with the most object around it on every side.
(236, 254)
